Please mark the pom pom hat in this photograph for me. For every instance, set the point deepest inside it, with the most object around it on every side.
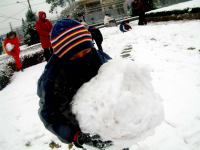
(71, 40)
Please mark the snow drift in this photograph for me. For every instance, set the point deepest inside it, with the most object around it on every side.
(119, 104)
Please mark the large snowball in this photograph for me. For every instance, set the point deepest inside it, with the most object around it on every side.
(119, 104)
(9, 46)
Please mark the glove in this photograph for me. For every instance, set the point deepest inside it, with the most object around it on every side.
(85, 138)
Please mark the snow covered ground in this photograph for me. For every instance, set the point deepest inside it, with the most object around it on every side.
(179, 6)
(169, 49)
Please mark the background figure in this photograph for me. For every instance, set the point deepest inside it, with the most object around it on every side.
(124, 26)
(97, 36)
(84, 23)
(106, 20)
(44, 27)
(69, 68)
(141, 12)
(68, 17)
(1, 47)
(2, 44)
(11, 43)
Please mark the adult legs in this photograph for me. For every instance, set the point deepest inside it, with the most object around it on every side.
(48, 53)
(140, 22)
(143, 19)
(99, 45)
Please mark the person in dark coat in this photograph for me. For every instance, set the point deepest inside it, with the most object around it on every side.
(97, 36)
(124, 26)
(44, 27)
(73, 63)
(141, 12)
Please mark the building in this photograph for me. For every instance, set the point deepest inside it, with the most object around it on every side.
(93, 11)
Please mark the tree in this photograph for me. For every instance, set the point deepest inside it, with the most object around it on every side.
(31, 16)
(56, 3)
(30, 34)
(149, 5)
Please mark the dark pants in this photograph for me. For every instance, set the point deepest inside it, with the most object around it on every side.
(142, 19)
(99, 44)
(48, 53)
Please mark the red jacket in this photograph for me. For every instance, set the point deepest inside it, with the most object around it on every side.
(140, 8)
(44, 27)
(15, 42)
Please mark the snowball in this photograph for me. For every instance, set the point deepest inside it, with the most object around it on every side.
(9, 46)
(119, 104)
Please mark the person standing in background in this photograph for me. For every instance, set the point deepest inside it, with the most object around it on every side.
(44, 27)
(141, 12)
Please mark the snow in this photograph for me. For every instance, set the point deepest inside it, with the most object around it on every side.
(179, 6)
(9, 46)
(169, 50)
(123, 108)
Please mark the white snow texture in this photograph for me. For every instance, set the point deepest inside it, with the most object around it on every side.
(9, 46)
(119, 104)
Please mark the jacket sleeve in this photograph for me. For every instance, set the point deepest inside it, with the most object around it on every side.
(40, 31)
(16, 43)
(124, 29)
(50, 25)
(52, 118)
(5, 43)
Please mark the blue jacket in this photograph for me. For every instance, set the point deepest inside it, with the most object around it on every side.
(124, 28)
(56, 87)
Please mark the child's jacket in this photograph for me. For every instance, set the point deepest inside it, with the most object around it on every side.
(56, 87)
(16, 44)
(124, 28)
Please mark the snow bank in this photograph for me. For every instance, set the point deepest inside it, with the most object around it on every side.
(119, 104)
(180, 6)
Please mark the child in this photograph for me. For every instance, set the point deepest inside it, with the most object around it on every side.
(11, 39)
(124, 26)
(97, 36)
(73, 63)
(106, 20)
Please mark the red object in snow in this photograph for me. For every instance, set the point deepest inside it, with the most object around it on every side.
(16, 44)
(15, 52)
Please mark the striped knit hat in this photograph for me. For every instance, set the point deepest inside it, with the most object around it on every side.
(70, 40)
